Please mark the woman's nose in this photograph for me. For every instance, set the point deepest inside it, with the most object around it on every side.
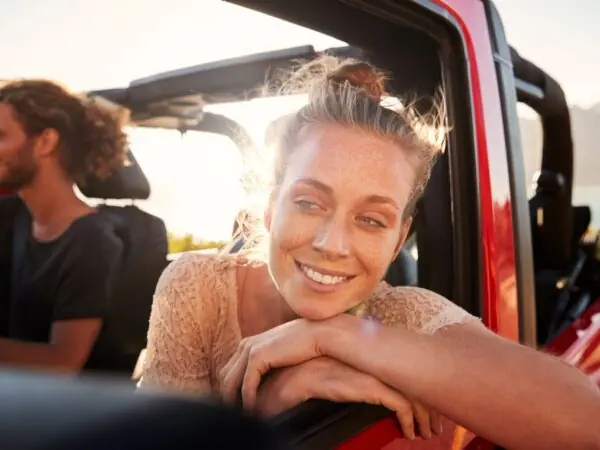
(332, 240)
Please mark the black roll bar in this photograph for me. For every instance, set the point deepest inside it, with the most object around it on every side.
(544, 95)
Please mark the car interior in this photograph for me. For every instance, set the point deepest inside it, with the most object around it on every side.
(441, 253)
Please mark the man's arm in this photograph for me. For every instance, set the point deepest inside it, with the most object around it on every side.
(83, 297)
(68, 350)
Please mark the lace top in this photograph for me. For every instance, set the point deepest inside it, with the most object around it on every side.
(194, 326)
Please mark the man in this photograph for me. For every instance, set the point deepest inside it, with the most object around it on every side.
(63, 255)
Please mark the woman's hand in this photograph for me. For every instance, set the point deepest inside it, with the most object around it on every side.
(286, 345)
(328, 379)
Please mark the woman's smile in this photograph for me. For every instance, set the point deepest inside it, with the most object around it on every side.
(322, 280)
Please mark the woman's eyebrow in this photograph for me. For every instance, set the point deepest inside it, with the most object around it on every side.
(316, 184)
(382, 199)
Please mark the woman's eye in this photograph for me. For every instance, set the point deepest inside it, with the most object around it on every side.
(369, 221)
(306, 204)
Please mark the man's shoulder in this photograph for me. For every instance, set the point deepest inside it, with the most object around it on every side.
(9, 207)
(94, 232)
(9, 204)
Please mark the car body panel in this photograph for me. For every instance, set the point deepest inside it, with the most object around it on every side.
(384, 435)
(500, 310)
(579, 345)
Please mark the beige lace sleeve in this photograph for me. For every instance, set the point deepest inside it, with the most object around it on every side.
(415, 308)
(188, 312)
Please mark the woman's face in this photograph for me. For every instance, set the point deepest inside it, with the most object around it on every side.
(336, 221)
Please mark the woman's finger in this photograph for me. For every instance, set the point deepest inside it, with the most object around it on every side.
(223, 373)
(273, 354)
(234, 376)
(268, 407)
(394, 401)
(407, 421)
(436, 422)
(256, 368)
(423, 420)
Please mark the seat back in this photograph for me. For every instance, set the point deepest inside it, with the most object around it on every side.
(145, 257)
(403, 271)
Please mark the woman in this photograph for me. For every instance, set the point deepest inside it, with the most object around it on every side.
(348, 173)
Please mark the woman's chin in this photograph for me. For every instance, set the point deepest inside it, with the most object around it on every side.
(314, 312)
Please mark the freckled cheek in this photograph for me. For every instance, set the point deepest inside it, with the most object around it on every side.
(293, 230)
(376, 253)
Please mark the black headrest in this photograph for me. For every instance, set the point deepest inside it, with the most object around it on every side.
(129, 182)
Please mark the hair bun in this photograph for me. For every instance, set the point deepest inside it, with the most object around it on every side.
(363, 76)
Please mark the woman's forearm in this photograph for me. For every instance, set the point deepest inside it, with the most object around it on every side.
(509, 394)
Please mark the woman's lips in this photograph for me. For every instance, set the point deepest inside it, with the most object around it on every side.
(333, 273)
(322, 281)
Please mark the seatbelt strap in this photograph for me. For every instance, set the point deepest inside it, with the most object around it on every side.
(21, 230)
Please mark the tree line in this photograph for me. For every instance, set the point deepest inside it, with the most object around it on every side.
(188, 242)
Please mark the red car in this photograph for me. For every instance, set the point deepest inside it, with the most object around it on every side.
(519, 263)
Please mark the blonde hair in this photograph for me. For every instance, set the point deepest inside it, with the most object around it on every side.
(349, 93)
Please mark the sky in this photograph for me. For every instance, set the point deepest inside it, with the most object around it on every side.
(561, 37)
(103, 44)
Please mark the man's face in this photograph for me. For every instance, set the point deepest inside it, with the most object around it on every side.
(18, 165)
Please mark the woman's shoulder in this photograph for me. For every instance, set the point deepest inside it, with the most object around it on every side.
(193, 271)
(415, 308)
(196, 294)
(192, 321)
(196, 283)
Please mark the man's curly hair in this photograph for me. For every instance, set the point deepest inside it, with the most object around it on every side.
(92, 141)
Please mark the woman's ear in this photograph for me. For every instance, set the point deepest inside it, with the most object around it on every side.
(403, 236)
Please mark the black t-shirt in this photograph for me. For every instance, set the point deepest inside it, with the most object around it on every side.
(69, 278)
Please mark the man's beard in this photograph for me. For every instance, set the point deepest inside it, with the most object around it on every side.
(20, 170)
